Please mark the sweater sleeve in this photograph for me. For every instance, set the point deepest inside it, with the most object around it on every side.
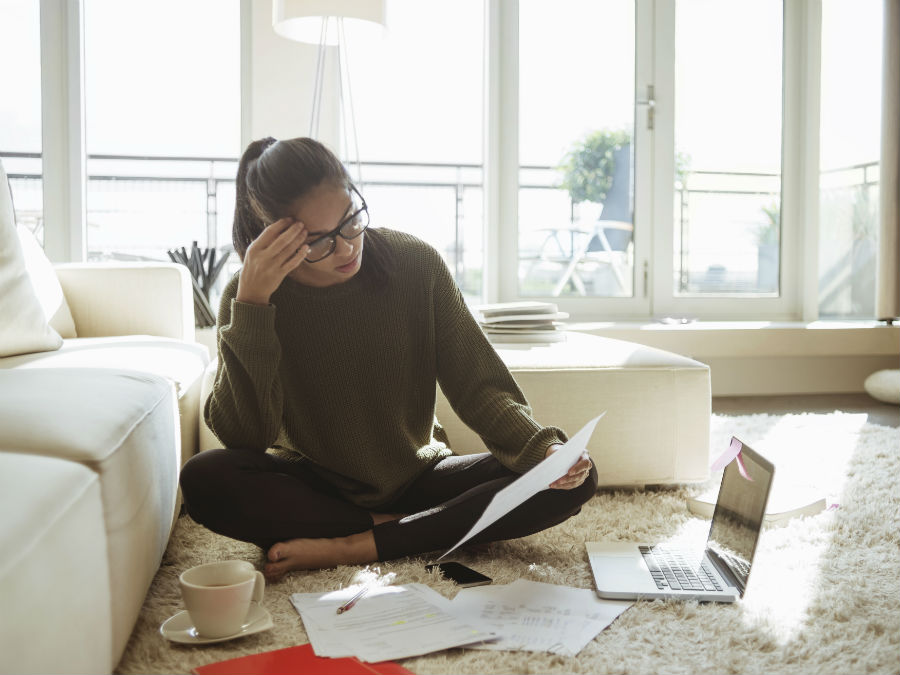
(479, 386)
(244, 409)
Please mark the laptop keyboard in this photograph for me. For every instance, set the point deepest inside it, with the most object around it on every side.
(735, 563)
(671, 570)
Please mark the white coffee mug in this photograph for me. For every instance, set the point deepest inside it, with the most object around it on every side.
(217, 595)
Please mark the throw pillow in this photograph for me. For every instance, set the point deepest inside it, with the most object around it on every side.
(884, 385)
(23, 327)
(46, 285)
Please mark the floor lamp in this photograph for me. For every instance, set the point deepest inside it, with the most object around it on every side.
(321, 22)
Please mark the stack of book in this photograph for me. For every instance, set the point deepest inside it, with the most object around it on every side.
(522, 322)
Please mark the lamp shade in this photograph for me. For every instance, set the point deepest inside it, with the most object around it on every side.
(301, 20)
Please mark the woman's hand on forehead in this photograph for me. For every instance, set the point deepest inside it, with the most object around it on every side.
(277, 251)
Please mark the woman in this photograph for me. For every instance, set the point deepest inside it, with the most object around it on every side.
(331, 340)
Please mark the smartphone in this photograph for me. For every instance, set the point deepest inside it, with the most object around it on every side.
(462, 575)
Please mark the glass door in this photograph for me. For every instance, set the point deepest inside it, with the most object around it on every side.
(728, 100)
(584, 119)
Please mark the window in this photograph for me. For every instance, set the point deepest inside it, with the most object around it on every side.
(163, 125)
(576, 125)
(728, 112)
(20, 110)
(849, 150)
(627, 159)
(683, 154)
(719, 154)
(417, 92)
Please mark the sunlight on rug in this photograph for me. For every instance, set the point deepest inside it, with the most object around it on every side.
(822, 598)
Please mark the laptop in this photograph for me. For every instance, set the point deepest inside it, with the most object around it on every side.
(638, 571)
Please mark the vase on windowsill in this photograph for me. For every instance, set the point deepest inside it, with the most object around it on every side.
(205, 269)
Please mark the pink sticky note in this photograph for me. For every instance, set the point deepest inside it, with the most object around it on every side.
(732, 453)
(733, 450)
(741, 468)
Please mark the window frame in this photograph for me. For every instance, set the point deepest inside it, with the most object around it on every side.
(63, 154)
(654, 166)
(63, 125)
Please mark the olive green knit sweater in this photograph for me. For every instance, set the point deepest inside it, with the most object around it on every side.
(344, 376)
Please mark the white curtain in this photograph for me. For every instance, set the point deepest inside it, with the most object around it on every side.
(888, 287)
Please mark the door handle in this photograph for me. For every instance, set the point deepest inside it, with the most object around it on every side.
(650, 102)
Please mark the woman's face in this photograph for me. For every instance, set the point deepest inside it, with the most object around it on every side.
(321, 211)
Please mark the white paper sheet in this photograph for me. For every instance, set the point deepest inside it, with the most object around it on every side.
(534, 616)
(393, 622)
(529, 484)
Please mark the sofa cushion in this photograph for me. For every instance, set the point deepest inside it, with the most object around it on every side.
(79, 414)
(54, 574)
(181, 362)
(24, 328)
(123, 425)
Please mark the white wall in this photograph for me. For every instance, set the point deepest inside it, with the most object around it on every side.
(763, 358)
(281, 75)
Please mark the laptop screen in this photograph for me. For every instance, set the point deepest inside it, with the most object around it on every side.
(740, 510)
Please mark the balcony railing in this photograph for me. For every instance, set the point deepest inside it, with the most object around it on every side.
(442, 203)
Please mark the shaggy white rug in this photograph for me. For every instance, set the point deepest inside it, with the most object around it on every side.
(824, 595)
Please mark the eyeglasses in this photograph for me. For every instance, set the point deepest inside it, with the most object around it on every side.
(350, 228)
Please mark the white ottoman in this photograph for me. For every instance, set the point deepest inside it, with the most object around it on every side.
(656, 429)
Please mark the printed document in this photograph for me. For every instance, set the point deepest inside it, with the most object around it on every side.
(390, 622)
(539, 617)
(529, 484)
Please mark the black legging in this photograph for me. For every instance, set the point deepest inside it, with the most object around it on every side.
(264, 499)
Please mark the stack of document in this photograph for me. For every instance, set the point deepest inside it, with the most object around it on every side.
(538, 617)
(522, 322)
(387, 623)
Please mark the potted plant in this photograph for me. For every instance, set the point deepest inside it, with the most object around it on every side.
(597, 170)
(594, 166)
(205, 270)
(588, 168)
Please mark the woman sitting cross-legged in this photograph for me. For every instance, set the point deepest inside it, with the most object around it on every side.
(331, 341)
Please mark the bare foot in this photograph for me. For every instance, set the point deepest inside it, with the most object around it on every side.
(378, 518)
(311, 554)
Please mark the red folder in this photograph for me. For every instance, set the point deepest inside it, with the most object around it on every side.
(297, 660)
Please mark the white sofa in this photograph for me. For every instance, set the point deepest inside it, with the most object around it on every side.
(92, 437)
(656, 428)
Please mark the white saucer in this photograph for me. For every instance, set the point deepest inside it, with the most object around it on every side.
(180, 629)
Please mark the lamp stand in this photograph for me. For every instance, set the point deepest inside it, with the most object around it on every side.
(346, 107)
